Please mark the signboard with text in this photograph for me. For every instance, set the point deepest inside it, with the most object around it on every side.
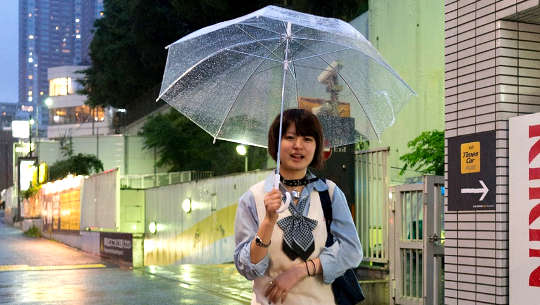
(524, 208)
(116, 245)
(472, 172)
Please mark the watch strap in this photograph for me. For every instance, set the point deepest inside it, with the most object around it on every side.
(260, 243)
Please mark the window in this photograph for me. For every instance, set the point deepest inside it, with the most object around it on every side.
(60, 86)
(75, 115)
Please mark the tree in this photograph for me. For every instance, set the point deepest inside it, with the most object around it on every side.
(127, 51)
(182, 146)
(79, 164)
(427, 155)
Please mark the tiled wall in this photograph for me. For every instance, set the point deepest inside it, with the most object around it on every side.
(492, 74)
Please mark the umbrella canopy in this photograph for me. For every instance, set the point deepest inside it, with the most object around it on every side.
(231, 78)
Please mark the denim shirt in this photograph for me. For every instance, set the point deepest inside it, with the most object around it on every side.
(345, 253)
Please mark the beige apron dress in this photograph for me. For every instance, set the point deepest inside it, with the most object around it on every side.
(311, 290)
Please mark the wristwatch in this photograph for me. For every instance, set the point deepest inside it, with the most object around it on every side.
(259, 242)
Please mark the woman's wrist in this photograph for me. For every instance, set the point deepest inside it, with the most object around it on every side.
(269, 220)
(301, 270)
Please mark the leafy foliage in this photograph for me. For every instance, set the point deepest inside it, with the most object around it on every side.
(79, 164)
(182, 145)
(427, 154)
(127, 51)
(32, 232)
(31, 191)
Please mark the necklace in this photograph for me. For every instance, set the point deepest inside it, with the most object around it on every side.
(297, 182)
(295, 194)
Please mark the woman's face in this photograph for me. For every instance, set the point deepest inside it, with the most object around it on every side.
(296, 153)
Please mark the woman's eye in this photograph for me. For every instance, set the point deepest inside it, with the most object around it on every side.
(309, 139)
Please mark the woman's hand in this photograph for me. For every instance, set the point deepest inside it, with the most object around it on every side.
(272, 202)
(280, 286)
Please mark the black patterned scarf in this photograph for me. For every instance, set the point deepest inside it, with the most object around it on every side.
(298, 231)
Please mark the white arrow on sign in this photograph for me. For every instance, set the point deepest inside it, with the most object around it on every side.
(484, 190)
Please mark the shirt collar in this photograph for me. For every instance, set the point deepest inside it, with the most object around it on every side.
(319, 185)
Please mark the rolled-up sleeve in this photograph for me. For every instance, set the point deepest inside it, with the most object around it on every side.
(246, 225)
(346, 252)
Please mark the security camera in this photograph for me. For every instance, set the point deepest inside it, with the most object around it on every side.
(329, 72)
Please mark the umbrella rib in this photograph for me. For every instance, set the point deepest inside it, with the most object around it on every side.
(269, 68)
(258, 56)
(236, 98)
(261, 28)
(203, 60)
(259, 41)
(310, 67)
(348, 86)
(295, 81)
(330, 52)
(375, 56)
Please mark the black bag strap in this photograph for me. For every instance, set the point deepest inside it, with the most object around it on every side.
(327, 211)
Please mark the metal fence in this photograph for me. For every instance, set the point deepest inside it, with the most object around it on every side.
(371, 213)
(416, 240)
(161, 179)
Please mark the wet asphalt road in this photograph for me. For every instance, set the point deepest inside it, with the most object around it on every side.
(39, 271)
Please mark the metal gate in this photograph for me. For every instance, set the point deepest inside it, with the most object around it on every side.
(416, 240)
(370, 213)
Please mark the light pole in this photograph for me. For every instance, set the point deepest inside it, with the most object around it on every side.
(30, 124)
(242, 151)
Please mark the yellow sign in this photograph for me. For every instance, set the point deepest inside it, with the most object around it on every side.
(470, 157)
(42, 172)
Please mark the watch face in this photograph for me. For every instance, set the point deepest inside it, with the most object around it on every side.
(259, 242)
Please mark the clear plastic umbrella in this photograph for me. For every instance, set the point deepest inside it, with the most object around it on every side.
(234, 77)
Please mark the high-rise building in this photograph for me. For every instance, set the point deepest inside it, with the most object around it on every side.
(7, 114)
(51, 33)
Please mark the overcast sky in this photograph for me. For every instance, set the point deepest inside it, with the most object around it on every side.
(8, 50)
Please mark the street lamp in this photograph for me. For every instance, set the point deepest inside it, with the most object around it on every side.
(242, 151)
(48, 101)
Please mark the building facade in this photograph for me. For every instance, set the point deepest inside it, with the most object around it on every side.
(409, 36)
(7, 114)
(492, 51)
(68, 115)
(51, 33)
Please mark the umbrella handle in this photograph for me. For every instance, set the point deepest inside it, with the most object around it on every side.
(285, 205)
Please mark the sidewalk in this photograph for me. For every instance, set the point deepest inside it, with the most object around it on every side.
(220, 280)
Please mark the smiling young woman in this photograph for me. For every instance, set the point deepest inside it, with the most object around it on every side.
(285, 254)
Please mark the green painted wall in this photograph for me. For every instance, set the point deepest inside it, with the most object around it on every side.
(410, 36)
(125, 152)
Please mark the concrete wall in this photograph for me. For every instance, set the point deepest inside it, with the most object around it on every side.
(115, 151)
(205, 235)
(409, 34)
(491, 75)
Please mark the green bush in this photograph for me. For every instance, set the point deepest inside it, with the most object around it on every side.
(31, 191)
(32, 232)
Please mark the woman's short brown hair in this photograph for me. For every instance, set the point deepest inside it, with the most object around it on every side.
(306, 124)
